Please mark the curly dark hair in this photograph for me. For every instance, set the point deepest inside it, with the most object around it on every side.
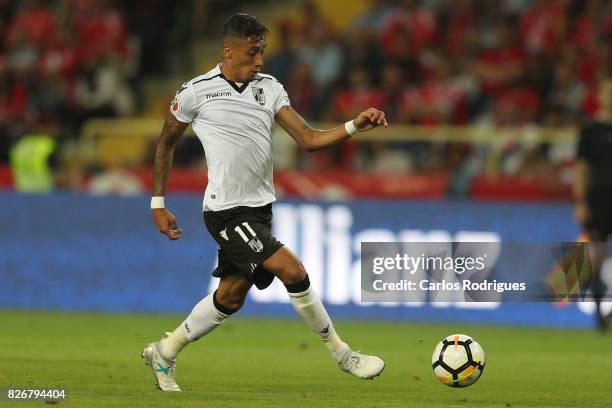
(243, 25)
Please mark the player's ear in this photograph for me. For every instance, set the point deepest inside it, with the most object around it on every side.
(227, 51)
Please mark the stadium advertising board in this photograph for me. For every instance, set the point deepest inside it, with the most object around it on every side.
(102, 253)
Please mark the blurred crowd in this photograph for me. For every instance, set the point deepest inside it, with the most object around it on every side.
(60, 64)
(63, 62)
(432, 62)
(438, 62)
(483, 63)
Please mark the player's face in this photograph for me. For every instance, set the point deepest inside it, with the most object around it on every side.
(246, 57)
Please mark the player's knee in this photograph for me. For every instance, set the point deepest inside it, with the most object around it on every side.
(292, 272)
(228, 302)
(286, 266)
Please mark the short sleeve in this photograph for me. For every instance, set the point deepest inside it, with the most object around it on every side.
(282, 99)
(183, 106)
(583, 144)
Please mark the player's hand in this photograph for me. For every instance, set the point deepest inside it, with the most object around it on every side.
(166, 223)
(370, 119)
(582, 214)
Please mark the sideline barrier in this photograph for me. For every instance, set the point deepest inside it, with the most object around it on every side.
(126, 140)
(80, 252)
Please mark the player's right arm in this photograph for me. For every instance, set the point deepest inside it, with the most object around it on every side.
(181, 113)
(164, 152)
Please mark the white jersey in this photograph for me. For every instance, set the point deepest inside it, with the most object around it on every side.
(235, 125)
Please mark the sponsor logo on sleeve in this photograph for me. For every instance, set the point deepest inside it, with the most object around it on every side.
(175, 105)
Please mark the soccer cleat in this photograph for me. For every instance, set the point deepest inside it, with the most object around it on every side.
(361, 366)
(163, 370)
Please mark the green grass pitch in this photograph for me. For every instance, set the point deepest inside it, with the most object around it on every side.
(280, 363)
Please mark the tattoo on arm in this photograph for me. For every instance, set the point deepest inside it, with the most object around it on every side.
(164, 152)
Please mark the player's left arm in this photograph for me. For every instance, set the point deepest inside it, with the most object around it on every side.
(314, 139)
(581, 178)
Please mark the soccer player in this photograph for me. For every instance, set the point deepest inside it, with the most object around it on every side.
(593, 189)
(232, 109)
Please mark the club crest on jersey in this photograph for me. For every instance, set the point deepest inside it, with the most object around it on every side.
(258, 94)
(256, 245)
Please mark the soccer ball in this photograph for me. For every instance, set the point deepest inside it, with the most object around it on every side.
(458, 361)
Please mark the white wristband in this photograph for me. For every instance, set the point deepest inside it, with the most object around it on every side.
(157, 202)
(350, 128)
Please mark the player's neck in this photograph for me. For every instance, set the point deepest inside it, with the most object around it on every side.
(229, 74)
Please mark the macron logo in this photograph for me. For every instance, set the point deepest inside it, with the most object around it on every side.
(218, 94)
(223, 234)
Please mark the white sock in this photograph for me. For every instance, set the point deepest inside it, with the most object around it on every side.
(309, 306)
(170, 346)
(203, 319)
